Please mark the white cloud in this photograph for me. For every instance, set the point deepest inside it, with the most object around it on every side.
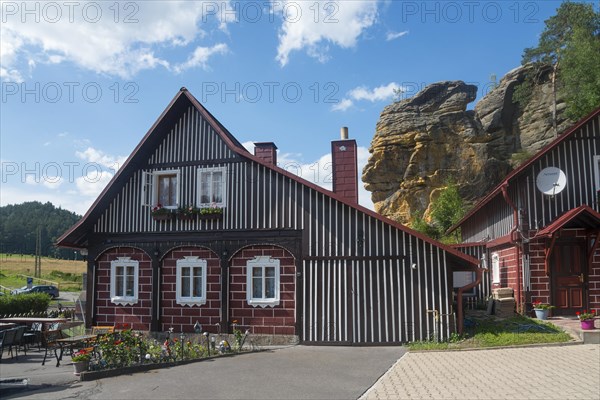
(395, 35)
(343, 105)
(93, 36)
(92, 184)
(313, 25)
(200, 56)
(380, 93)
(92, 155)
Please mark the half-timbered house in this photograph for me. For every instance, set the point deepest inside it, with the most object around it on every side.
(237, 238)
(539, 229)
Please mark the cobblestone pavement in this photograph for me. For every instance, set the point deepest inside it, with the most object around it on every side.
(548, 372)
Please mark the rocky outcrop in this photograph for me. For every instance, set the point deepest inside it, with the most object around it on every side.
(422, 142)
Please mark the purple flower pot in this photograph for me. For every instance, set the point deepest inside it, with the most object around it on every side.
(587, 324)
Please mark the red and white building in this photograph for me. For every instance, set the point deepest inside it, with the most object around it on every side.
(539, 230)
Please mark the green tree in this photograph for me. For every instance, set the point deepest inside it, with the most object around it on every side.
(558, 36)
(580, 74)
(446, 210)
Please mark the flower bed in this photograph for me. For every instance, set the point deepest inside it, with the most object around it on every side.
(129, 351)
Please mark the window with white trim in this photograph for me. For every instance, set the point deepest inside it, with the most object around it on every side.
(212, 190)
(597, 170)
(124, 274)
(262, 279)
(495, 268)
(191, 281)
(160, 187)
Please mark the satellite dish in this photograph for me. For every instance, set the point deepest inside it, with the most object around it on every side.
(551, 181)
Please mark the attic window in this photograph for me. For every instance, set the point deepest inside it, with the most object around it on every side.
(161, 187)
(212, 187)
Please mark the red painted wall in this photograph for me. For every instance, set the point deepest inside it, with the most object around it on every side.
(269, 320)
(181, 317)
(138, 316)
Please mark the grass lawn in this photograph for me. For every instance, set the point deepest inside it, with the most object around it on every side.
(67, 273)
(489, 331)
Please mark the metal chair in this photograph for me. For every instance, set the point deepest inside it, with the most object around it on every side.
(34, 335)
(18, 341)
(50, 344)
(7, 341)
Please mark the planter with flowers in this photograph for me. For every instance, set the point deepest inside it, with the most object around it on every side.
(211, 213)
(586, 319)
(81, 361)
(541, 309)
(160, 213)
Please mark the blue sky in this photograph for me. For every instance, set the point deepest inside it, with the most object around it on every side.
(82, 81)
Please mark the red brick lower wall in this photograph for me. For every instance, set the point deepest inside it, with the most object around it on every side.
(181, 317)
(138, 316)
(508, 268)
(280, 319)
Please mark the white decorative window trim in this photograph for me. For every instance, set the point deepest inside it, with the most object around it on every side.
(211, 170)
(124, 300)
(262, 262)
(191, 262)
(495, 268)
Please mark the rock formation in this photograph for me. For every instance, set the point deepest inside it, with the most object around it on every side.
(422, 142)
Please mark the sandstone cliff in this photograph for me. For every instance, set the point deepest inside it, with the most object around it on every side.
(422, 142)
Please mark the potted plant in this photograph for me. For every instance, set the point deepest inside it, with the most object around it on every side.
(541, 309)
(81, 361)
(160, 213)
(212, 212)
(586, 319)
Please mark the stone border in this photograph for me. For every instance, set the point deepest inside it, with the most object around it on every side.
(109, 373)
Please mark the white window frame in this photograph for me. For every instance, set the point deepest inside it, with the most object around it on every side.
(124, 262)
(191, 262)
(150, 187)
(211, 170)
(495, 268)
(262, 262)
(597, 170)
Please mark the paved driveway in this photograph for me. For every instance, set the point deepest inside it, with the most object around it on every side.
(545, 372)
(299, 372)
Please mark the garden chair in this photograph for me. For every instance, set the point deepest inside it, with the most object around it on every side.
(18, 341)
(50, 344)
(7, 340)
(34, 335)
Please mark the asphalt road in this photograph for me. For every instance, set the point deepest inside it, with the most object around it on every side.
(298, 372)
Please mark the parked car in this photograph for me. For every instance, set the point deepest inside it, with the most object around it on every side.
(48, 289)
(19, 290)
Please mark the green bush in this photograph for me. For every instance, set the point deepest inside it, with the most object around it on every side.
(24, 303)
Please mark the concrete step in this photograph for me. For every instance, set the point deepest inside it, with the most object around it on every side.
(590, 337)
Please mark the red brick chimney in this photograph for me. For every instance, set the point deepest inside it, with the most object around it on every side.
(345, 169)
(266, 151)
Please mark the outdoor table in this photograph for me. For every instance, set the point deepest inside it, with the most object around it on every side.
(31, 320)
(74, 342)
(6, 325)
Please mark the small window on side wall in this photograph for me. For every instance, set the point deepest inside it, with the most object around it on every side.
(495, 268)
(191, 281)
(160, 187)
(262, 281)
(124, 274)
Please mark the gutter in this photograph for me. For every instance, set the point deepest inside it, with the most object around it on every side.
(514, 240)
(459, 300)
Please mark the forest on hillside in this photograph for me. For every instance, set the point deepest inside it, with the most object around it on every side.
(20, 223)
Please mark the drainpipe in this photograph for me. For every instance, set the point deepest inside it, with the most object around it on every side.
(459, 311)
(515, 241)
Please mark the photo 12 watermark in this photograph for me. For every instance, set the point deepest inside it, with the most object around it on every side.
(269, 91)
(454, 12)
(72, 12)
(69, 92)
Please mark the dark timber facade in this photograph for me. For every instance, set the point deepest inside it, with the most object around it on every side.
(285, 257)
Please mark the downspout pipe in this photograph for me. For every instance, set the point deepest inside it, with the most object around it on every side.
(459, 300)
(515, 241)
